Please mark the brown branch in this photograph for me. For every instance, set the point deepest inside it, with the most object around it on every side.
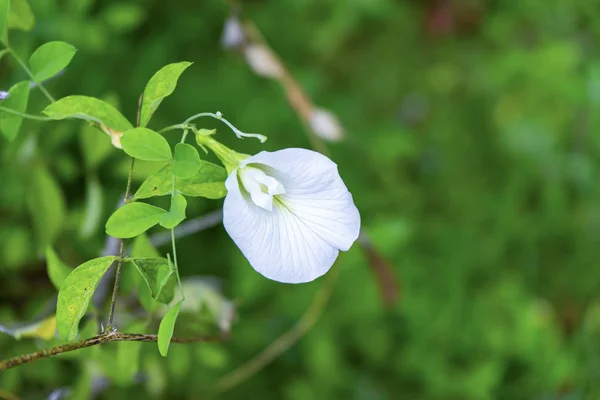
(96, 340)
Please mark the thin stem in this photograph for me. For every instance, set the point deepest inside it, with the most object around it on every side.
(219, 117)
(185, 132)
(171, 128)
(176, 266)
(175, 263)
(200, 115)
(25, 115)
(96, 340)
(113, 300)
(26, 69)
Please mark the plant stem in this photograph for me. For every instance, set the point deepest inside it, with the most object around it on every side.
(96, 340)
(113, 300)
(25, 115)
(185, 124)
(175, 263)
(173, 233)
(26, 69)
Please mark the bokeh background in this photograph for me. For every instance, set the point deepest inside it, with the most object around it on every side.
(471, 148)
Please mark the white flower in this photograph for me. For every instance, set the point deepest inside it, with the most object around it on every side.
(290, 214)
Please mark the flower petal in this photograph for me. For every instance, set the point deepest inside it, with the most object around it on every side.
(276, 243)
(314, 192)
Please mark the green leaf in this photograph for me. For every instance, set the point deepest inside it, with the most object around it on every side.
(176, 213)
(142, 248)
(89, 109)
(49, 59)
(133, 219)
(158, 184)
(46, 205)
(145, 144)
(187, 161)
(159, 277)
(20, 16)
(165, 330)
(208, 181)
(57, 270)
(3, 52)
(4, 10)
(18, 95)
(161, 85)
(76, 293)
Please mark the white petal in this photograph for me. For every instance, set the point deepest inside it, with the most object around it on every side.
(314, 192)
(276, 243)
(248, 177)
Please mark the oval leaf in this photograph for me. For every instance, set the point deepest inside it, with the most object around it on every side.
(133, 219)
(159, 277)
(187, 161)
(76, 292)
(89, 109)
(57, 270)
(145, 144)
(176, 214)
(18, 95)
(49, 59)
(165, 330)
(208, 181)
(161, 85)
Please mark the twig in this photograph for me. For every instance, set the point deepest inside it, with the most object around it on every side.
(111, 248)
(96, 340)
(113, 300)
(283, 342)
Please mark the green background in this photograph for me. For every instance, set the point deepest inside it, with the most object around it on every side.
(472, 151)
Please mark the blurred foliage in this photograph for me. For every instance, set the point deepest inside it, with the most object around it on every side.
(472, 153)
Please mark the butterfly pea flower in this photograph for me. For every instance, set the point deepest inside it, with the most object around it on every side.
(288, 211)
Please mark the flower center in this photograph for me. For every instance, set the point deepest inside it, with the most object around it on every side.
(260, 186)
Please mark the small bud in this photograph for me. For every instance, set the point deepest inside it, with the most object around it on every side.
(262, 61)
(326, 125)
(3, 95)
(205, 132)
